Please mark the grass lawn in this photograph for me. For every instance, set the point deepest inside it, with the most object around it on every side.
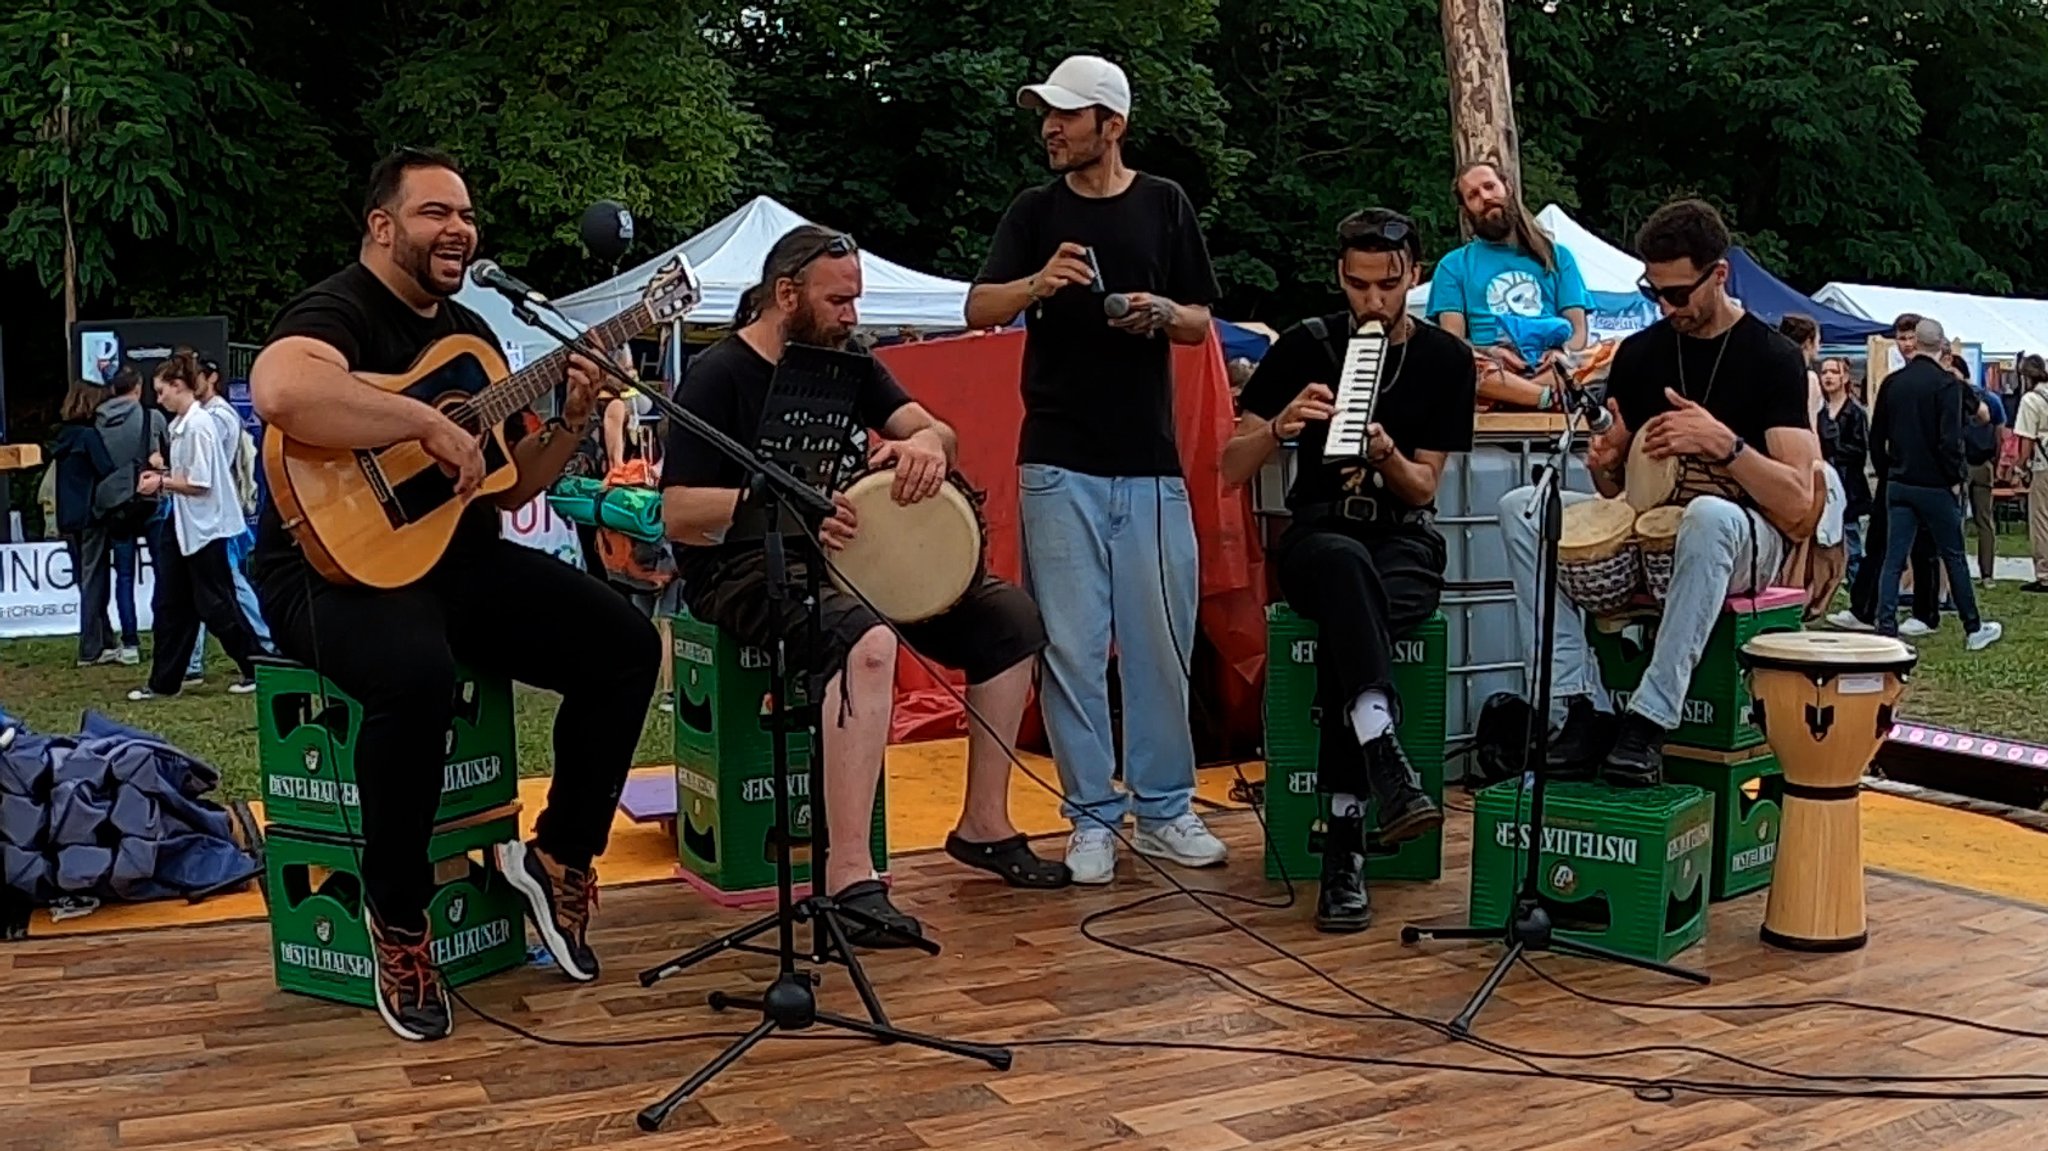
(39, 683)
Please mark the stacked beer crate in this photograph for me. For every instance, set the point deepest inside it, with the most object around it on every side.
(307, 733)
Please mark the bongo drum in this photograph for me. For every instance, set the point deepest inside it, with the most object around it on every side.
(912, 561)
(1648, 483)
(1657, 542)
(1597, 566)
(1824, 701)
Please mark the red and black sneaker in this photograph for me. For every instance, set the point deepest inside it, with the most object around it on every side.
(410, 995)
(558, 899)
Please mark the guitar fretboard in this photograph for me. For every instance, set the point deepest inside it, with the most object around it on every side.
(513, 394)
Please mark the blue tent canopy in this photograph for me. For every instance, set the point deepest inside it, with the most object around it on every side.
(1240, 343)
(1770, 298)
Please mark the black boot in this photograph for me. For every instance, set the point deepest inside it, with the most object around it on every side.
(1576, 749)
(1405, 810)
(1342, 906)
(1638, 756)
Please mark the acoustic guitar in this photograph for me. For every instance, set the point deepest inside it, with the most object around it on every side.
(383, 517)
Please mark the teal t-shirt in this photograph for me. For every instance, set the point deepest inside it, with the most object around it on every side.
(1483, 279)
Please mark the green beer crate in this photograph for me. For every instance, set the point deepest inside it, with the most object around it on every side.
(306, 745)
(721, 695)
(1716, 710)
(1296, 815)
(1626, 869)
(725, 820)
(1749, 792)
(320, 939)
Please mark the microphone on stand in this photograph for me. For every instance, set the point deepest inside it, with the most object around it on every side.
(487, 274)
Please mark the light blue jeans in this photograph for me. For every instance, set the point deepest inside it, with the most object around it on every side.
(1719, 546)
(1113, 558)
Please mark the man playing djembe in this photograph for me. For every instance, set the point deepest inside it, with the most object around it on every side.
(1363, 558)
(1720, 391)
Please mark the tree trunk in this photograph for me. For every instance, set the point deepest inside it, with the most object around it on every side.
(1482, 99)
(70, 241)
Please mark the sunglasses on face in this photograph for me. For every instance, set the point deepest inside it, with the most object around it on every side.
(1677, 296)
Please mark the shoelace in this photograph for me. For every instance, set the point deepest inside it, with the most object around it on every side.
(578, 897)
(410, 965)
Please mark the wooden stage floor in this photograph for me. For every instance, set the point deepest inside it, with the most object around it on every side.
(178, 1038)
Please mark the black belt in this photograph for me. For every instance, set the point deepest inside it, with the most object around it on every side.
(1368, 510)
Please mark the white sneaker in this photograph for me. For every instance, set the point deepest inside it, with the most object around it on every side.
(1914, 629)
(1091, 854)
(1186, 841)
(1845, 620)
(129, 656)
(1987, 633)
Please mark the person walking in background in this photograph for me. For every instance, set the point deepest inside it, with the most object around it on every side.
(79, 460)
(1845, 443)
(133, 434)
(193, 582)
(2030, 424)
(239, 449)
(1916, 440)
(1980, 455)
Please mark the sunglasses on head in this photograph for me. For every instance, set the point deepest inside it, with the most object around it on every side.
(1376, 236)
(836, 245)
(1679, 295)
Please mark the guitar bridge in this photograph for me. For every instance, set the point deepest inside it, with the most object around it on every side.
(373, 474)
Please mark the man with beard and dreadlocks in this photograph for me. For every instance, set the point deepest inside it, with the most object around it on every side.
(395, 650)
(810, 284)
(1502, 285)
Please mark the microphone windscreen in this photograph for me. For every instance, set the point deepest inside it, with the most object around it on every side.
(1116, 305)
(607, 230)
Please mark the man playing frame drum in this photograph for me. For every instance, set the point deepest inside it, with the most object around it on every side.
(1724, 394)
(1824, 700)
(810, 283)
(1362, 557)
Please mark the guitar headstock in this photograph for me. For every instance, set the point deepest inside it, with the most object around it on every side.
(673, 290)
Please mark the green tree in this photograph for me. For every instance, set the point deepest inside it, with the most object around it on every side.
(552, 105)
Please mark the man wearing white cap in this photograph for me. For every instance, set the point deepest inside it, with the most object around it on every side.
(1109, 268)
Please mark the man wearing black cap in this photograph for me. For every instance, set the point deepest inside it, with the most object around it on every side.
(1362, 558)
(1109, 268)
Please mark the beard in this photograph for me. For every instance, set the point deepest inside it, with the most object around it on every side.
(418, 262)
(1076, 159)
(808, 327)
(1495, 225)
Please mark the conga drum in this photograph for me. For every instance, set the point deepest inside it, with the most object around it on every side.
(1824, 701)
(912, 561)
(1657, 542)
(1596, 555)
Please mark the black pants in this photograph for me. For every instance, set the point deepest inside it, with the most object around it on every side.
(1926, 579)
(92, 556)
(1363, 591)
(502, 609)
(191, 590)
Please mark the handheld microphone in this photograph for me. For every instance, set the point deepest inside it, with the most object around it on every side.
(487, 274)
(1116, 305)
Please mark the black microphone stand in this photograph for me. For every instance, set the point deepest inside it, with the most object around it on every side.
(1528, 927)
(790, 1002)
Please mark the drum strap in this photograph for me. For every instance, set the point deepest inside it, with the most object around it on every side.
(1825, 794)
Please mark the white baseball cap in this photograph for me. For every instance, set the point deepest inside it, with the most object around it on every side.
(1080, 82)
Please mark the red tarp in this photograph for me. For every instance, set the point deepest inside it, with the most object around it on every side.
(972, 383)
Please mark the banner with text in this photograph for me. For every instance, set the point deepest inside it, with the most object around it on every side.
(39, 593)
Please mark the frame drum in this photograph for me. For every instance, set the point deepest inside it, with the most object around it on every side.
(913, 561)
(1824, 701)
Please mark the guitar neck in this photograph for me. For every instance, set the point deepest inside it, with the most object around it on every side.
(516, 392)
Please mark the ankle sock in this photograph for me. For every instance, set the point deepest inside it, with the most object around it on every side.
(1372, 715)
(1344, 805)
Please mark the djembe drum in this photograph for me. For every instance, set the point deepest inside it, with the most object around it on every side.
(1824, 701)
(911, 561)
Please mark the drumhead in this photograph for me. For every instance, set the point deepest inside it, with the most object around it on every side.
(1829, 651)
(1648, 482)
(1660, 523)
(912, 562)
(1594, 528)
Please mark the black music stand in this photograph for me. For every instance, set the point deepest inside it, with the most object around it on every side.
(1528, 927)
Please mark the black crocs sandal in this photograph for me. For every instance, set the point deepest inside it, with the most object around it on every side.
(870, 900)
(1012, 859)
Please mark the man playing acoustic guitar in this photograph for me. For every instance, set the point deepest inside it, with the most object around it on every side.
(497, 606)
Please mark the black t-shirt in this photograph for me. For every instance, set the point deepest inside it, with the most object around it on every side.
(1425, 403)
(378, 334)
(1750, 377)
(727, 384)
(1098, 400)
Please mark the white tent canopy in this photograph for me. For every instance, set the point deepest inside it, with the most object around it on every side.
(1611, 274)
(2002, 327)
(726, 258)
